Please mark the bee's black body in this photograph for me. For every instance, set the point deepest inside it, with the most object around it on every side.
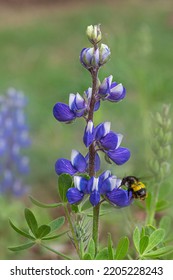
(134, 186)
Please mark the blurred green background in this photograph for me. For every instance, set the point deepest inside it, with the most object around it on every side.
(39, 54)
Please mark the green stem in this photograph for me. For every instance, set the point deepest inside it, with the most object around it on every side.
(151, 213)
(56, 252)
(96, 211)
(76, 243)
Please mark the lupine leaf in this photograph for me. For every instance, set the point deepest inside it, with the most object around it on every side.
(21, 232)
(22, 247)
(165, 223)
(122, 248)
(31, 221)
(87, 256)
(54, 236)
(64, 183)
(91, 248)
(110, 248)
(155, 238)
(57, 223)
(143, 244)
(162, 205)
(136, 238)
(43, 230)
(159, 252)
(44, 205)
(103, 254)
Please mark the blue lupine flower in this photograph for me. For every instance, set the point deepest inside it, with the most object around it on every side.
(77, 164)
(64, 113)
(14, 136)
(107, 141)
(111, 91)
(76, 194)
(88, 134)
(105, 186)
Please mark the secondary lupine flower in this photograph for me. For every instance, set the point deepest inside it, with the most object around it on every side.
(107, 141)
(111, 91)
(105, 186)
(77, 164)
(94, 33)
(67, 113)
(14, 136)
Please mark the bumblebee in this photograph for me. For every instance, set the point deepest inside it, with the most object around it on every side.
(135, 186)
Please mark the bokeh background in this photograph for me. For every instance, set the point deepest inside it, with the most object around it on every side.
(40, 42)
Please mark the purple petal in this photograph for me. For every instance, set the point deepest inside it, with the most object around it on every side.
(88, 134)
(97, 105)
(109, 141)
(117, 93)
(94, 198)
(105, 86)
(74, 195)
(119, 156)
(108, 185)
(63, 113)
(81, 183)
(78, 161)
(64, 166)
(119, 197)
(101, 130)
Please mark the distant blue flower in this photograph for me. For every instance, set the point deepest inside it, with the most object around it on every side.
(77, 164)
(111, 91)
(14, 137)
(105, 186)
(67, 113)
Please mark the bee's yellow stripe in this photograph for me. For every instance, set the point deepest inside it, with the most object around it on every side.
(138, 186)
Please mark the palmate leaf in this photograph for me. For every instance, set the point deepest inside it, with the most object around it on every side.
(136, 238)
(50, 237)
(102, 254)
(57, 223)
(44, 205)
(143, 244)
(110, 248)
(31, 221)
(64, 183)
(159, 252)
(22, 247)
(122, 248)
(155, 238)
(21, 232)
(42, 231)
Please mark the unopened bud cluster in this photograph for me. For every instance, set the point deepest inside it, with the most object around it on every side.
(95, 56)
(161, 146)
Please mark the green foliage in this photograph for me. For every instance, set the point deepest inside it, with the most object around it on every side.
(150, 243)
(38, 234)
(44, 205)
(64, 183)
